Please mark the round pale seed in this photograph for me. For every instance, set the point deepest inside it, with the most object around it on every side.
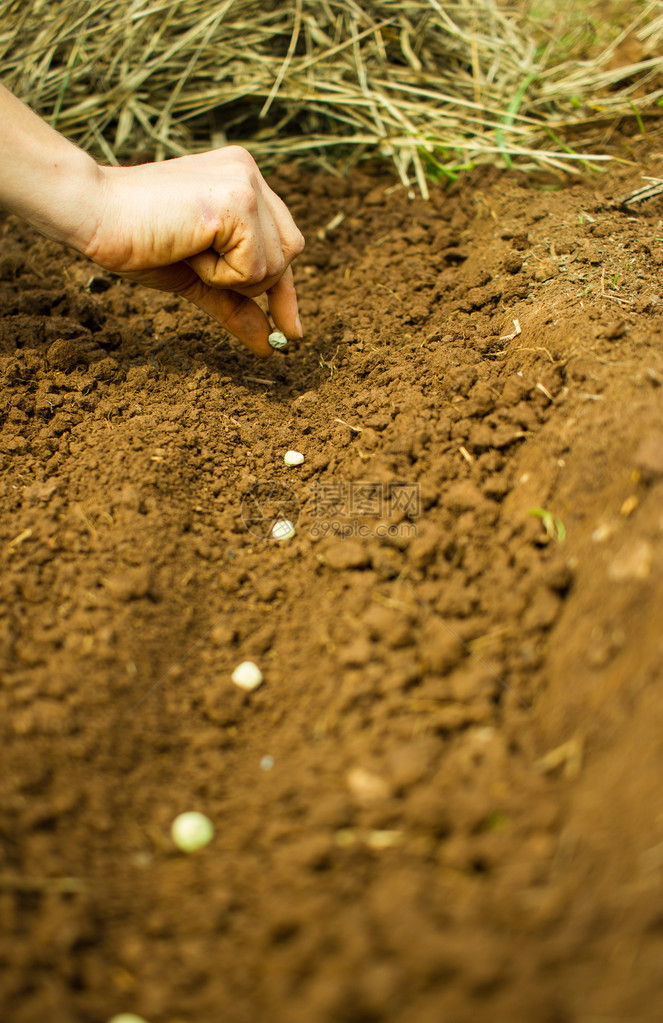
(126, 1017)
(283, 529)
(277, 340)
(191, 831)
(247, 675)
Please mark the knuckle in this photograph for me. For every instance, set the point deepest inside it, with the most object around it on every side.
(209, 272)
(293, 244)
(210, 277)
(240, 154)
(248, 198)
(275, 269)
(255, 273)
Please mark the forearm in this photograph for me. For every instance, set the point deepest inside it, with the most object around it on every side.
(44, 178)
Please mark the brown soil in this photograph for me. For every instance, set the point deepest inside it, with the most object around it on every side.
(462, 820)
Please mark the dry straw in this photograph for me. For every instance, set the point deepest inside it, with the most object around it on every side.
(433, 85)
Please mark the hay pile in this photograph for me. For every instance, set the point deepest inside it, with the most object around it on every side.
(435, 85)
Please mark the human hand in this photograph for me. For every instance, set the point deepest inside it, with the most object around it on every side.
(206, 227)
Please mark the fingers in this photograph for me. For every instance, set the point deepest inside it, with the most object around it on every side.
(282, 299)
(237, 313)
(291, 238)
(217, 271)
(241, 316)
(253, 256)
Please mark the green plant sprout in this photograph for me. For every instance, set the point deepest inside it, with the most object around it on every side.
(509, 117)
(636, 114)
(437, 171)
(496, 821)
(572, 152)
(552, 524)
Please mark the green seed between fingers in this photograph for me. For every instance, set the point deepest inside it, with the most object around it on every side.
(277, 340)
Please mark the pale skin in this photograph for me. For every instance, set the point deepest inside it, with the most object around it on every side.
(206, 227)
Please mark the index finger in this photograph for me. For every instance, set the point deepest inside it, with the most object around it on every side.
(237, 313)
(282, 299)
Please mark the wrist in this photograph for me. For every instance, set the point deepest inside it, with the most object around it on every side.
(105, 242)
(67, 209)
(44, 178)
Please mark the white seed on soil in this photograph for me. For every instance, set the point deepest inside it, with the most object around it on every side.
(277, 340)
(293, 458)
(191, 831)
(283, 530)
(633, 561)
(127, 1017)
(247, 675)
(383, 839)
(366, 786)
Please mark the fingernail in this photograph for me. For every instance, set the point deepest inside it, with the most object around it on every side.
(298, 325)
